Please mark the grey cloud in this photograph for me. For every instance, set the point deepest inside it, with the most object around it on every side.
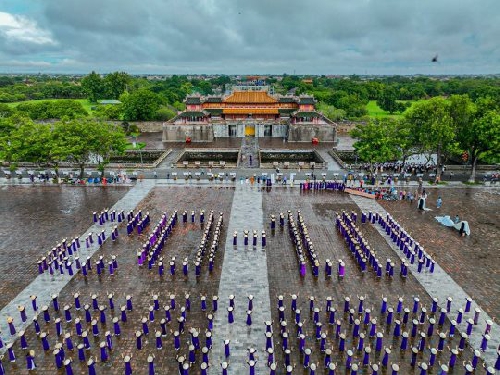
(262, 36)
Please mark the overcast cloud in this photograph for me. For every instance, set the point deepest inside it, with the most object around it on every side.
(251, 36)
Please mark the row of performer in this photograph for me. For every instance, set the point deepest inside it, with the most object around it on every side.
(254, 236)
(299, 235)
(323, 185)
(359, 319)
(64, 259)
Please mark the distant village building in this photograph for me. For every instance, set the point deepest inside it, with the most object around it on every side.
(250, 111)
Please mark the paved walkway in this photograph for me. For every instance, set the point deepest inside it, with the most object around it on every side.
(244, 272)
(44, 286)
(249, 149)
(441, 285)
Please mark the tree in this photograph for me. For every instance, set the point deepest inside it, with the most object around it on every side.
(221, 80)
(76, 139)
(354, 107)
(112, 142)
(487, 144)
(108, 111)
(180, 106)
(55, 109)
(5, 111)
(403, 137)
(115, 84)
(435, 131)
(83, 141)
(165, 114)
(29, 142)
(478, 128)
(387, 99)
(93, 86)
(374, 143)
(140, 105)
(331, 112)
(7, 125)
(202, 86)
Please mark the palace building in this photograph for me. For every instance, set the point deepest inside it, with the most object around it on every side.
(249, 111)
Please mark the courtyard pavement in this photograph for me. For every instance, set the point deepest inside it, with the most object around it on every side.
(471, 263)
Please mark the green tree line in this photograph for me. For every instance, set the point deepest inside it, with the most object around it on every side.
(341, 97)
(445, 127)
(351, 94)
(78, 141)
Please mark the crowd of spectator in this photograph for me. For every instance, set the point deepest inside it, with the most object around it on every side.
(399, 167)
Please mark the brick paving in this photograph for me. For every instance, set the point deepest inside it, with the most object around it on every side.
(141, 284)
(318, 211)
(439, 284)
(35, 218)
(44, 281)
(474, 261)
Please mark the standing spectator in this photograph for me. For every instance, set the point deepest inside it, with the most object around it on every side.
(439, 202)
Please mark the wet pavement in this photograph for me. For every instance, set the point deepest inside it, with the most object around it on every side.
(245, 208)
(439, 284)
(244, 274)
(35, 218)
(141, 284)
(318, 211)
(472, 261)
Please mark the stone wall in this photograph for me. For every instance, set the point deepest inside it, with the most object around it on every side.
(149, 126)
(344, 127)
(220, 130)
(278, 130)
(179, 133)
(306, 132)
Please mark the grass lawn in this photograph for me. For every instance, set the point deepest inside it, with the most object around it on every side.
(375, 111)
(85, 103)
(140, 146)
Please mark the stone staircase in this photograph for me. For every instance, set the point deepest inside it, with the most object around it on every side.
(170, 159)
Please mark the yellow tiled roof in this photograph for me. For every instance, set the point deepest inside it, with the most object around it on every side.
(250, 97)
(248, 111)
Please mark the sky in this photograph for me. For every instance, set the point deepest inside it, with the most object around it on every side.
(374, 37)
